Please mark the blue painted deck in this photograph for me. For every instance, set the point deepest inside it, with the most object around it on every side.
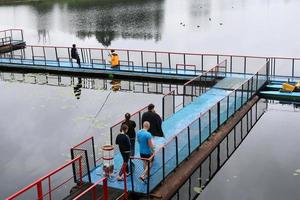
(178, 122)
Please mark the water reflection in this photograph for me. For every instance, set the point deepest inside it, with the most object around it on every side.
(77, 88)
(79, 83)
(105, 20)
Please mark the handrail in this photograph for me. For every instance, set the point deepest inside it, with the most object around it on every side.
(170, 52)
(105, 190)
(37, 182)
(82, 142)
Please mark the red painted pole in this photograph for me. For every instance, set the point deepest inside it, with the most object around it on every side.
(125, 181)
(94, 194)
(49, 188)
(105, 190)
(39, 190)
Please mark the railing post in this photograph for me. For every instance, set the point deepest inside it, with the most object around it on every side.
(125, 180)
(218, 157)
(252, 92)
(148, 177)
(245, 64)
(228, 99)
(142, 60)
(49, 188)
(131, 175)
(140, 120)
(22, 35)
(230, 64)
(94, 194)
(200, 136)
(169, 59)
(248, 85)
(44, 55)
(70, 59)
(163, 108)
(183, 96)
(219, 114)
(111, 136)
(293, 67)
(184, 62)
(105, 189)
(209, 121)
(176, 145)
(56, 55)
(32, 54)
(163, 162)
(155, 60)
(242, 96)
(128, 58)
(189, 140)
(202, 63)
(235, 93)
(80, 170)
(39, 190)
(173, 99)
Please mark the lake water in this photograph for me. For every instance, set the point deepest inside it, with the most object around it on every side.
(266, 165)
(39, 123)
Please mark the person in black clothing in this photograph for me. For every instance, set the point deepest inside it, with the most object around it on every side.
(155, 121)
(131, 132)
(124, 145)
(75, 55)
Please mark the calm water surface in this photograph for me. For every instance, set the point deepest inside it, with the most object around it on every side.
(266, 165)
(248, 26)
(39, 123)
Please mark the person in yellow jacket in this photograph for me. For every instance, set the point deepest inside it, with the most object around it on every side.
(115, 61)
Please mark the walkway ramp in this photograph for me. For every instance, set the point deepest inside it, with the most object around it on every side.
(187, 129)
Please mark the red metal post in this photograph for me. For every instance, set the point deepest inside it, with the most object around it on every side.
(49, 187)
(105, 190)
(94, 194)
(39, 190)
(125, 181)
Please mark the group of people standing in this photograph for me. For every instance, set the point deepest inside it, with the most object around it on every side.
(151, 123)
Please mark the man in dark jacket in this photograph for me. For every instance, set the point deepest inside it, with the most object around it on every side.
(74, 54)
(155, 121)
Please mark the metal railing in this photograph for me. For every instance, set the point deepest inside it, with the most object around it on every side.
(11, 35)
(51, 186)
(86, 150)
(94, 193)
(151, 61)
(180, 146)
(5, 41)
(192, 89)
(218, 156)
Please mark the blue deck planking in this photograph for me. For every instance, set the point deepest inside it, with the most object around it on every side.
(176, 123)
(73, 67)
